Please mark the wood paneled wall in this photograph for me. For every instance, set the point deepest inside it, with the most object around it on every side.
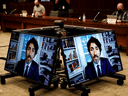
(89, 7)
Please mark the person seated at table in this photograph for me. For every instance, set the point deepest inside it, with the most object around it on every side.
(120, 13)
(63, 6)
(39, 9)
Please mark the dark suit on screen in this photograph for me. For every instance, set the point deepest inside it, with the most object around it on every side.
(33, 71)
(105, 67)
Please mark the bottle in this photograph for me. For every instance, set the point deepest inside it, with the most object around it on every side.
(84, 17)
(32, 15)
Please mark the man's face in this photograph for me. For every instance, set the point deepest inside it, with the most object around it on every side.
(120, 6)
(30, 52)
(94, 52)
(37, 4)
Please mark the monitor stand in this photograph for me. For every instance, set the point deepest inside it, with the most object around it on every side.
(64, 83)
(63, 79)
(7, 75)
(83, 88)
(32, 88)
(38, 86)
(120, 78)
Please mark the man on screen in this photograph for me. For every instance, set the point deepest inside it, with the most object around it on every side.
(28, 67)
(98, 66)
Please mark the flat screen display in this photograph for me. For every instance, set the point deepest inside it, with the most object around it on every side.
(31, 56)
(90, 56)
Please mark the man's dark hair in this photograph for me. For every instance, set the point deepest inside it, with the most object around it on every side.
(33, 40)
(92, 39)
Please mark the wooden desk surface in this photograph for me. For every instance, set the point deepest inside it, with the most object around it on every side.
(47, 20)
(18, 22)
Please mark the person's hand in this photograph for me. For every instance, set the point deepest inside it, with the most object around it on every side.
(36, 15)
(104, 20)
(118, 21)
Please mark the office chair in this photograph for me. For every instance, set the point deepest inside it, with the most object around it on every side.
(54, 13)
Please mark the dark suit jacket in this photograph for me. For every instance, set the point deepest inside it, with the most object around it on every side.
(105, 67)
(33, 71)
(123, 15)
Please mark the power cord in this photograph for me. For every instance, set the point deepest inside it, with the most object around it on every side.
(4, 46)
(3, 58)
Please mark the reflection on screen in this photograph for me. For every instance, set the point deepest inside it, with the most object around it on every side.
(31, 56)
(82, 61)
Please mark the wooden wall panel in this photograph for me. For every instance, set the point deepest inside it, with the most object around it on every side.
(89, 7)
(29, 7)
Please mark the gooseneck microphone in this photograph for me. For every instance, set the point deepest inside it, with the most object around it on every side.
(12, 11)
(95, 17)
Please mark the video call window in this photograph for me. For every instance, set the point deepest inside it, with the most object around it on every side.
(31, 56)
(91, 56)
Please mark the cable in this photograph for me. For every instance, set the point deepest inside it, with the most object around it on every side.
(4, 46)
(3, 58)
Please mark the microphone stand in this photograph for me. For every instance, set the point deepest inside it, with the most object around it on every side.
(12, 11)
(95, 17)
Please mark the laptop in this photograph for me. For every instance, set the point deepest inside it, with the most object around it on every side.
(24, 13)
(111, 19)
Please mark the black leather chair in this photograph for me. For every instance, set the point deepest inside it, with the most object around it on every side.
(54, 13)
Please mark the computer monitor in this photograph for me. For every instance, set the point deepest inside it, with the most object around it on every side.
(83, 53)
(24, 13)
(31, 52)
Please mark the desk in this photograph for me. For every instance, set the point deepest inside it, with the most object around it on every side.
(18, 22)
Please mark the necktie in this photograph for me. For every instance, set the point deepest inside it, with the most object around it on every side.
(25, 74)
(98, 69)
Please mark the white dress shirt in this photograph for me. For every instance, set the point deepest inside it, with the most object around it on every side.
(95, 66)
(26, 66)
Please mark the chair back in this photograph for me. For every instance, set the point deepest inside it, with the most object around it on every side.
(54, 13)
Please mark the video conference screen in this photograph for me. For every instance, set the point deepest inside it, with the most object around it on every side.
(31, 56)
(88, 57)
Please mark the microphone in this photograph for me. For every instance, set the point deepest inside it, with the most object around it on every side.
(95, 17)
(12, 11)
